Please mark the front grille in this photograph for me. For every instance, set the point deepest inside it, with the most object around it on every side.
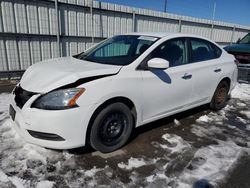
(22, 96)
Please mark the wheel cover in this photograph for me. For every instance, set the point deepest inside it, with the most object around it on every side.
(112, 128)
(221, 95)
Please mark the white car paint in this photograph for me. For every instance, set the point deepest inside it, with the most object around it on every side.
(153, 98)
(57, 72)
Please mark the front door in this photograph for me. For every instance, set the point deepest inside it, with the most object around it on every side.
(167, 91)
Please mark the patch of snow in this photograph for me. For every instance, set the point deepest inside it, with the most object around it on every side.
(156, 176)
(177, 122)
(132, 163)
(204, 118)
(206, 131)
(34, 152)
(92, 172)
(218, 159)
(241, 104)
(241, 91)
(246, 113)
(242, 120)
(45, 184)
(176, 143)
(3, 177)
(4, 105)
(228, 107)
(248, 127)
(18, 182)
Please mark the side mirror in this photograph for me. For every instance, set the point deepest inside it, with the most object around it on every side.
(238, 41)
(158, 63)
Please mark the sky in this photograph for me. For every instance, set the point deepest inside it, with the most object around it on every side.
(232, 11)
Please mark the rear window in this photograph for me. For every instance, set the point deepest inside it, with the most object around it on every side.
(203, 50)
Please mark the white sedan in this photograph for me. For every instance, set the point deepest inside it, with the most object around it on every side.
(99, 96)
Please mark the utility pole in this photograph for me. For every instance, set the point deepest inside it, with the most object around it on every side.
(165, 6)
(214, 10)
(212, 26)
(92, 21)
(58, 28)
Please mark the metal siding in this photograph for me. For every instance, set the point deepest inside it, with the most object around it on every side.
(72, 22)
(8, 16)
(54, 49)
(88, 24)
(52, 20)
(104, 22)
(21, 19)
(3, 58)
(38, 18)
(97, 25)
(81, 23)
(32, 18)
(45, 48)
(12, 54)
(1, 18)
(43, 20)
(24, 53)
(35, 51)
(195, 28)
(221, 34)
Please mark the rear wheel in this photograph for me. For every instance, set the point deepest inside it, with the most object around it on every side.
(220, 96)
(111, 128)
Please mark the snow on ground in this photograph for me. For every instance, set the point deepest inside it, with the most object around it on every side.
(20, 160)
(204, 118)
(206, 148)
(176, 143)
(241, 91)
(210, 163)
(45, 184)
(132, 163)
(177, 122)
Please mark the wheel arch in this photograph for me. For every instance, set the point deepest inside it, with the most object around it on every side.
(228, 80)
(122, 99)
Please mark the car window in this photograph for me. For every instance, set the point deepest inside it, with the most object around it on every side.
(246, 39)
(202, 50)
(142, 46)
(113, 49)
(172, 50)
(118, 50)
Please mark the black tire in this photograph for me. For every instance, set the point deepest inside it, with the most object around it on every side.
(111, 128)
(220, 96)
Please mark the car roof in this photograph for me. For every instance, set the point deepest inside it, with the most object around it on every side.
(165, 34)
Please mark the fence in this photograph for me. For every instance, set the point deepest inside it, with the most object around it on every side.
(34, 30)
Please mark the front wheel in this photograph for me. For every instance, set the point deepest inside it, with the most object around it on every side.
(111, 128)
(220, 96)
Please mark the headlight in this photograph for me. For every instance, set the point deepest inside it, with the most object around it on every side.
(59, 99)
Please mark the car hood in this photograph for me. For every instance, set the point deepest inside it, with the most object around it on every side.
(54, 73)
(238, 48)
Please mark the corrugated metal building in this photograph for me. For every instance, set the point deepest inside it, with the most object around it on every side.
(33, 30)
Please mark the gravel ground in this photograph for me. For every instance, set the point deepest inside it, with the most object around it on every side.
(198, 148)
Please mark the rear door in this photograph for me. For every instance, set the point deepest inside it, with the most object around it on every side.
(207, 69)
(169, 90)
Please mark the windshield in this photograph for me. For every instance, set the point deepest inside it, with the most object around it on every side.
(246, 39)
(118, 50)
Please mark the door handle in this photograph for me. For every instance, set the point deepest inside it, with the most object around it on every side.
(217, 70)
(187, 76)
